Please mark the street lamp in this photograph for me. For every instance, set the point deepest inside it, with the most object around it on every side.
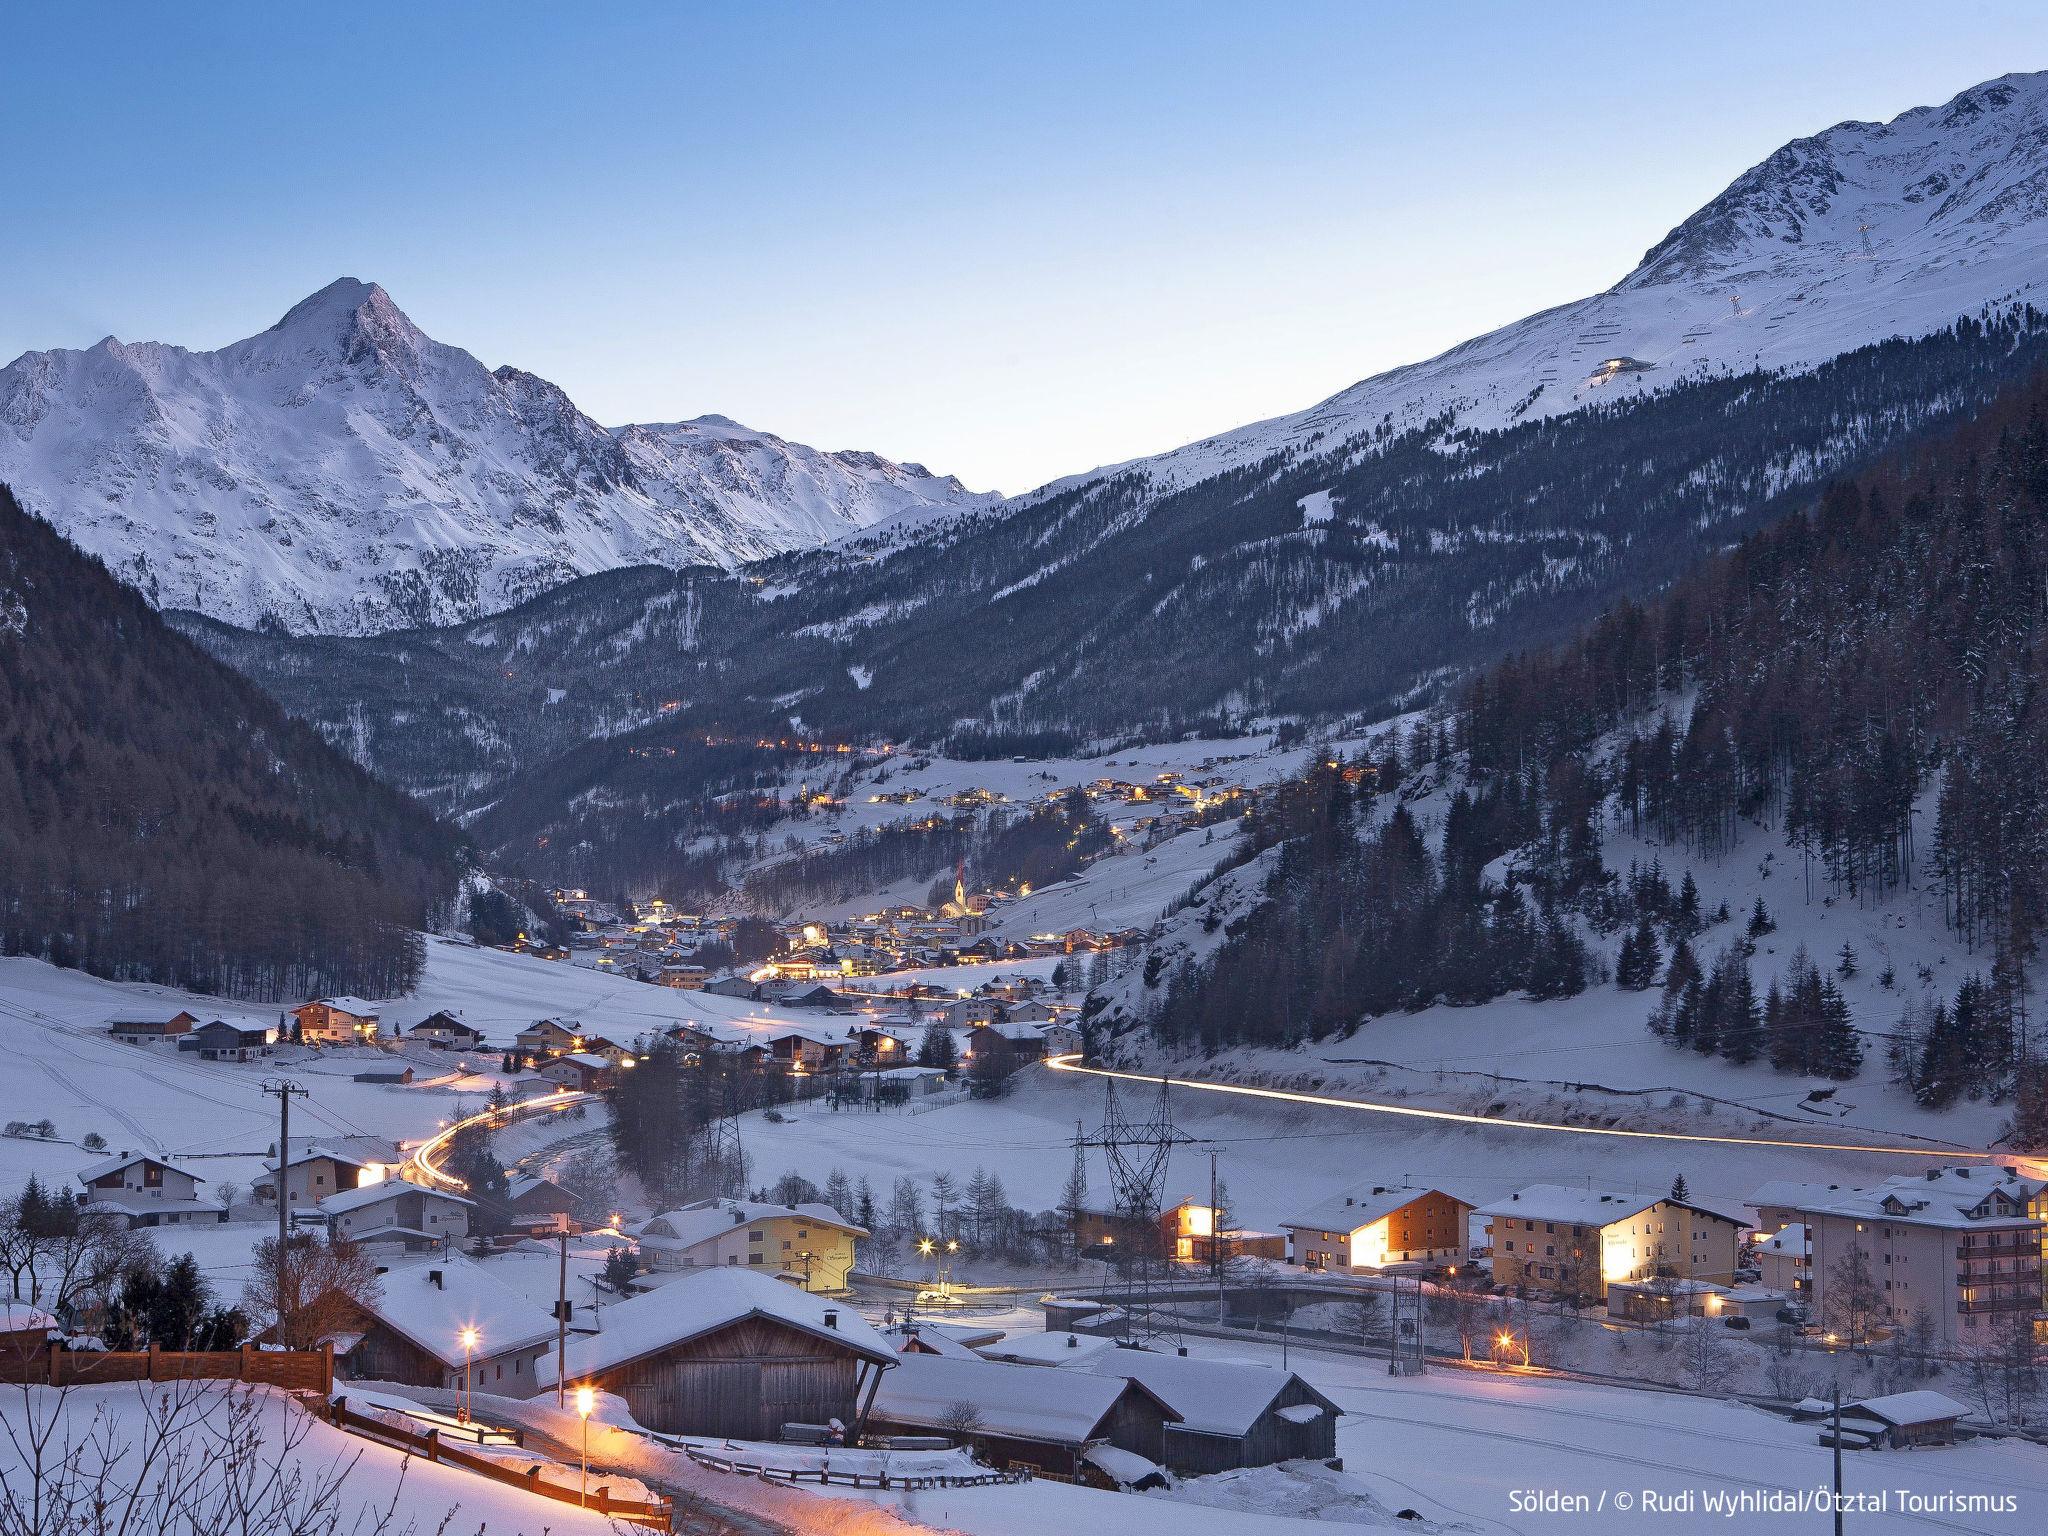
(1505, 1340)
(469, 1337)
(585, 1401)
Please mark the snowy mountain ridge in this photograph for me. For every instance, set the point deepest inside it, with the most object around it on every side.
(344, 472)
(1860, 233)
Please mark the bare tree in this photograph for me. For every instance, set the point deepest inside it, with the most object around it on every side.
(1854, 1303)
(961, 1419)
(312, 1288)
(1469, 1314)
(1709, 1363)
(203, 1461)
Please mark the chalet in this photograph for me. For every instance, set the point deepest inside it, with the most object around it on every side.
(1028, 1012)
(969, 1012)
(690, 978)
(412, 1332)
(800, 994)
(229, 1039)
(1554, 1237)
(580, 1072)
(336, 1021)
(446, 1031)
(809, 1048)
(1225, 1415)
(396, 1210)
(549, 1037)
(540, 1203)
(147, 1191)
(1380, 1225)
(1901, 1419)
(316, 1172)
(732, 1352)
(812, 1243)
(1062, 1038)
(152, 1031)
(1022, 1415)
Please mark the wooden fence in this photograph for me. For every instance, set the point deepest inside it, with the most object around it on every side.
(849, 1479)
(429, 1444)
(300, 1370)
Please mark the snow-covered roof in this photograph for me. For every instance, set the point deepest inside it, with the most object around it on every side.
(316, 1151)
(115, 1164)
(686, 1227)
(363, 1196)
(709, 1299)
(1359, 1208)
(469, 1296)
(1946, 1200)
(1126, 1468)
(1563, 1202)
(1048, 1348)
(1599, 1207)
(136, 1202)
(1025, 1402)
(362, 1008)
(587, 1059)
(1791, 1239)
(20, 1317)
(1900, 1408)
(1210, 1397)
(916, 1337)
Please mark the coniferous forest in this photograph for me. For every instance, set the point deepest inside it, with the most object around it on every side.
(1865, 674)
(162, 820)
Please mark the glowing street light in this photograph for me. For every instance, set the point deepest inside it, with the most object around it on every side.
(1506, 1340)
(469, 1338)
(585, 1401)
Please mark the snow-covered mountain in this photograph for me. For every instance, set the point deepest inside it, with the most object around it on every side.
(1860, 233)
(344, 472)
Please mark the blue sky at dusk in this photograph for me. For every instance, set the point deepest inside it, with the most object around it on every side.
(1009, 241)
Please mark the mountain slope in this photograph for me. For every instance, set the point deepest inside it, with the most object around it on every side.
(1859, 233)
(344, 472)
(162, 820)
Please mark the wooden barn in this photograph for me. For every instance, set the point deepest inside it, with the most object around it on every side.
(1021, 1414)
(412, 1333)
(1227, 1415)
(732, 1352)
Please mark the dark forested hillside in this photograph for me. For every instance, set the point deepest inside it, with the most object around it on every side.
(161, 819)
(1886, 644)
(1337, 577)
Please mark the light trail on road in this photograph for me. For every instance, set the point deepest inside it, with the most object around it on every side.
(1072, 1063)
(422, 1156)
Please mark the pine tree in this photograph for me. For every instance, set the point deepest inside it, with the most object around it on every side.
(1679, 1192)
(1840, 1051)
(1760, 921)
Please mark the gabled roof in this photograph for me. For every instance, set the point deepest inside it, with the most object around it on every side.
(314, 1152)
(107, 1165)
(691, 1225)
(1901, 1408)
(705, 1301)
(1599, 1207)
(362, 1008)
(1358, 1208)
(20, 1317)
(1947, 1200)
(469, 1296)
(364, 1196)
(1210, 1397)
(1022, 1401)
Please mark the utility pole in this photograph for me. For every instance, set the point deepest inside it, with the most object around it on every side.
(1836, 1416)
(562, 1325)
(1215, 1238)
(286, 1090)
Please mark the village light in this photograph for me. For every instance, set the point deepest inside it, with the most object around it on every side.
(585, 1401)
